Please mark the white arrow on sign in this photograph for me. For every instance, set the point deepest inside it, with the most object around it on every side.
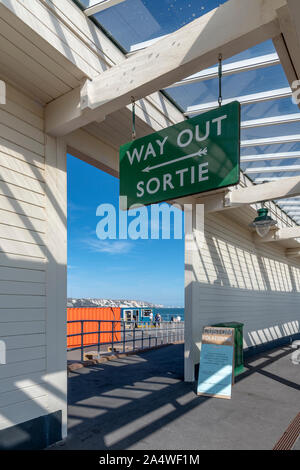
(197, 154)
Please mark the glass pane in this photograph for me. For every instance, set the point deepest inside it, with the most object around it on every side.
(268, 109)
(245, 83)
(292, 128)
(135, 21)
(270, 163)
(278, 174)
(274, 148)
(264, 48)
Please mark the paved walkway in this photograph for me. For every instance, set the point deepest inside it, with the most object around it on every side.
(140, 402)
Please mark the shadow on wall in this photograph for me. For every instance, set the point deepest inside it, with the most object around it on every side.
(31, 382)
(235, 280)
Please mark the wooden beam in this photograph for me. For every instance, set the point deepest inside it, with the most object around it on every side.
(231, 199)
(287, 187)
(285, 58)
(289, 18)
(213, 202)
(229, 30)
(278, 235)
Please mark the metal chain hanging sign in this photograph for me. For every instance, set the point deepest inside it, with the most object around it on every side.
(197, 155)
(133, 118)
(220, 99)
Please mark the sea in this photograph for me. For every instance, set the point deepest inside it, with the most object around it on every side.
(168, 313)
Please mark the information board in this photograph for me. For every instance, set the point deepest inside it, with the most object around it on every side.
(216, 362)
(196, 155)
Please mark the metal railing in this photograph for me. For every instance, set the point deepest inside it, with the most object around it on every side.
(139, 335)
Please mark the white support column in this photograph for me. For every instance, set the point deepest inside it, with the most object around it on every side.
(194, 235)
(56, 276)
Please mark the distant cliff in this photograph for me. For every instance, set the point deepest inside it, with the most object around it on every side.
(110, 303)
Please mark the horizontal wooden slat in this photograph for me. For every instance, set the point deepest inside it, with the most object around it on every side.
(21, 248)
(23, 127)
(22, 181)
(20, 382)
(22, 221)
(24, 341)
(25, 354)
(22, 288)
(23, 101)
(21, 167)
(21, 368)
(13, 135)
(22, 208)
(15, 109)
(17, 396)
(14, 150)
(24, 411)
(22, 194)
(21, 235)
(22, 314)
(22, 262)
(21, 328)
(22, 301)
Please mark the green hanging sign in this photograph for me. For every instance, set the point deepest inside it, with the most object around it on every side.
(194, 156)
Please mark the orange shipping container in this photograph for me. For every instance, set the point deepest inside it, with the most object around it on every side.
(93, 313)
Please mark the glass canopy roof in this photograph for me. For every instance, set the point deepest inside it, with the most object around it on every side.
(270, 135)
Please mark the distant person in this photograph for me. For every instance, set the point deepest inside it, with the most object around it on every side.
(151, 317)
(179, 318)
(157, 319)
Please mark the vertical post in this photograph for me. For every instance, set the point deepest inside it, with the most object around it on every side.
(112, 336)
(194, 237)
(99, 329)
(55, 376)
(133, 344)
(124, 337)
(142, 338)
(82, 334)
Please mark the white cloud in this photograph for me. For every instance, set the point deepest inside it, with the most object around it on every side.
(113, 247)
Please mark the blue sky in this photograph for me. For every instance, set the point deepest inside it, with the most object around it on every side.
(150, 270)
